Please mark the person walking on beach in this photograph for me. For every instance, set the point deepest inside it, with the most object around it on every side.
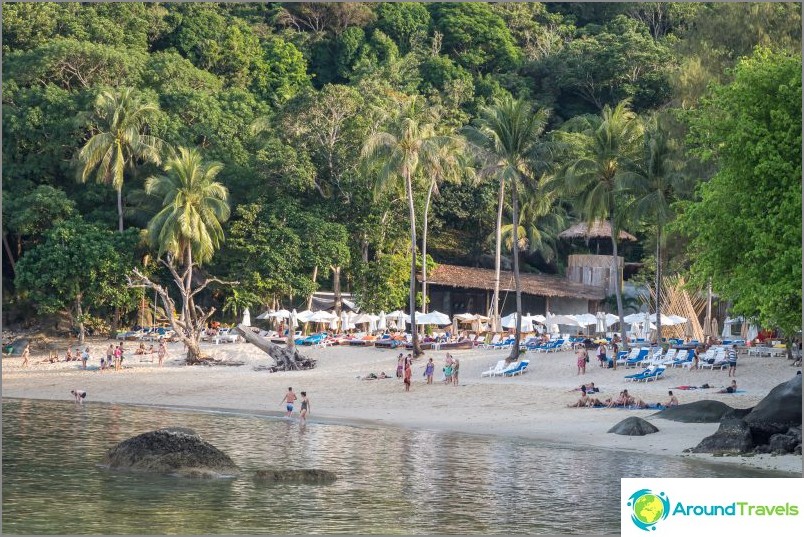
(305, 407)
(162, 352)
(407, 375)
(456, 365)
(26, 354)
(109, 355)
(732, 358)
(85, 357)
(428, 371)
(400, 365)
(118, 357)
(288, 401)
(601, 355)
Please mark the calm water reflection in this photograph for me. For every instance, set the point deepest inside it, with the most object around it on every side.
(391, 481)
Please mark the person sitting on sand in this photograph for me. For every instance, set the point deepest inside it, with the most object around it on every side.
(582, 402)
(673, 401)
(69, 356)
(729, 389)
(140, 349)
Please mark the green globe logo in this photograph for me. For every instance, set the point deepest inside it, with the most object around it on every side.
(648, 508)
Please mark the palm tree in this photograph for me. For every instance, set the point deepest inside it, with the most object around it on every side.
(508, 134)
(653, 183)
(122, 119)
(410, 146)
(604, 148)
(189, 224)
(449, 164)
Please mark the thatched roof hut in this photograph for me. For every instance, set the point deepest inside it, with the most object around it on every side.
(600, 229)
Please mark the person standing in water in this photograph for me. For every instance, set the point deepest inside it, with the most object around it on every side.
(428, 371)
(288, 401)
(305, 407)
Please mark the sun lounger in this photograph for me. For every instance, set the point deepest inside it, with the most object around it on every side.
(518, 370)
(653, 374)
(636, 360)
(495, 370)
(494, 340)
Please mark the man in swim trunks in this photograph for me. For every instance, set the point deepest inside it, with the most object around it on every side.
(288, 401)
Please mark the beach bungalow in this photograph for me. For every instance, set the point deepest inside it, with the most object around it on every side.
(453, 289)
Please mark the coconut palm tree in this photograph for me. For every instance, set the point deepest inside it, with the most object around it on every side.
(408, 147)
(604, 148)
(188, 227)
(121, 122)
(450, 164)
(508, 136)
(653, 184)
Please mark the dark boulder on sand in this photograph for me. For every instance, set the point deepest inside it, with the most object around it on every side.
(634, 426)
(306, 476)
(705, 411)
(174, 451)
(777, 412)
(773, 426)
(732, 437)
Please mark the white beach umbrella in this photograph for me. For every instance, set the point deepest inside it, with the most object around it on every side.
(304, 316)
(525, 325)
(279, 314)
(321, 317)
(264, 315)
(433, 317)
(382, 324)
(294, 319)
(465, 317)
(600, 322)
(565, 320)
(585, 319)
(373, 323)
(246, 317)
(398, 317)
(333, 324)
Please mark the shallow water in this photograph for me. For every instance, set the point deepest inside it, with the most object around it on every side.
(390, 481)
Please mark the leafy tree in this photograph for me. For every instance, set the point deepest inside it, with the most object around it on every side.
(475, 36)
(745, 225)
(119, 139)
(654, 185)
(411, 146)
(507, 135)
(188, 227)
(78, 267)
(405, 22)
(604, 148)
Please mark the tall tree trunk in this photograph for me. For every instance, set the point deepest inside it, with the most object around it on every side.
(417, 350)
(495, 323)
(659, 284)
(10, 256)
(336, 288)
(187, 301)
(310, 299)
(424, 249)
(120, 209)
(518, 332)
(615, 265)
(79, 317)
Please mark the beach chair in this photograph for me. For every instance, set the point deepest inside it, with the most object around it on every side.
(511, 367)
(653, 374)
(634, 377)
(653, 357)
(494, 340)
(624, 356)
(518, 370)
(683, 359)
(636, 360)
(495, 370)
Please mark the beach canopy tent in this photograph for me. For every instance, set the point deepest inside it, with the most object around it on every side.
(433, 317)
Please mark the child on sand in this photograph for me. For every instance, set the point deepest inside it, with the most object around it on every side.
(428, 371)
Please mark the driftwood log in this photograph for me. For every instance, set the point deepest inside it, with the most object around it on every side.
(286, 358)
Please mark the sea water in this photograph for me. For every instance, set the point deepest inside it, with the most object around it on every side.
(390, 480)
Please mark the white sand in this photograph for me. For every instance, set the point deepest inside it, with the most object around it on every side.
(532, 405)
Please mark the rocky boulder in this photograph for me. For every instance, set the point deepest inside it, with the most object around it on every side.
(174, 451)
(777, 412)
(732, 437)
(305, 476)
(634, 426)
(706, 411)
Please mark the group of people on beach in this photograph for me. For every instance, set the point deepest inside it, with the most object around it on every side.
(624, 400)
(113, 359)
(404, 370)
(289, 400)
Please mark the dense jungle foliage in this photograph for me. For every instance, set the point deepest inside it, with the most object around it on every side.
(323, 127)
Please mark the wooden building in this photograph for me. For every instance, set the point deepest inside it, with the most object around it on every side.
(454, 289)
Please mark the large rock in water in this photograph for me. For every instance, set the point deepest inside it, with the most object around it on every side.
(306, 476)
(777, 412)
(634, 426)
(174, 451)
(706, 411)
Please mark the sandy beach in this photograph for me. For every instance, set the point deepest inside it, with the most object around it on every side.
(533, 405)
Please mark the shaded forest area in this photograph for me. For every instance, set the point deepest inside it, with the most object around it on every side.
(278, 106)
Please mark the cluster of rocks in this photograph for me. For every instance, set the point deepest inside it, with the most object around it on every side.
(772, 426)
(182, 452)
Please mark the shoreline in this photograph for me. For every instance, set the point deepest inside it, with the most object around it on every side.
(530, 406)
